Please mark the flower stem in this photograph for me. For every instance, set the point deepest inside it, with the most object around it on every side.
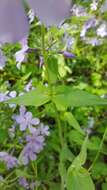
(51, 92)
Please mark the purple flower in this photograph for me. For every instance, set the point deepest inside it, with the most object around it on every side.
(102, 30)
(26, 120)
(44, 130)
(78, 11)
(3, 96)
(94, 5)
(10, 161)
(35, 144)
(29, 86)
(20, 55)
(67, 54)
(91, 23)
(23, 182)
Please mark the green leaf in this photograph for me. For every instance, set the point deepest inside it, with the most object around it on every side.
(52, 68)
(36, 97)
(104, 186)
(65, 97)
(79, 180)
(66, 154)
(68, 116)
(22, 173)
(81, 158)
(3, 135)
(77, 177)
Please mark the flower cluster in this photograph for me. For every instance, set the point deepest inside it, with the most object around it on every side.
(35, 144)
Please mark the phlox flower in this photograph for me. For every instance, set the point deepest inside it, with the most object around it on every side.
(25, 120)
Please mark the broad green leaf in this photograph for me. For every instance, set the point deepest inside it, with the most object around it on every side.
(68, 116)
(79, 180)
(36, 97)
(65, 97)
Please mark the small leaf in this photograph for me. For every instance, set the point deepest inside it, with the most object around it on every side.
(52, 68)
(79, 180)
(68, 116)
(36, 97)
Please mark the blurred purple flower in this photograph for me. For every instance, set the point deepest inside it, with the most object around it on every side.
(102, 30)
(34, 145)
(3, 96)
(20, 55)
(44, 129)
(94, 5)
(78, 11)
(91, 23)
(10, 161)
(67, 54)
(23, 182)
(14, 24)
(29, 86)
(26, 120)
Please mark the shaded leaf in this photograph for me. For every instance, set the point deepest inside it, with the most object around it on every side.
(68, 116)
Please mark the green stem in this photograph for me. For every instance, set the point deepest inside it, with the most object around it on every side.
(45, 54)
(59, 127)
(98, 153)
(34, 167)
(61, 142)
(51, 92)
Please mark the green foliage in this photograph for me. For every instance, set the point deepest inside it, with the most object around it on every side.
(67, 94)
(75, 98)
(36, 97)
(68, 116)
(80, 180)
(77, 176)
